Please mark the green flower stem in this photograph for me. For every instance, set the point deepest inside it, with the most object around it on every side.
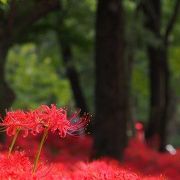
(13, 141)
(39, 149)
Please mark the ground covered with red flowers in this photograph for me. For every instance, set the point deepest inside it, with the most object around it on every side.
(46, 143)
(67, 159)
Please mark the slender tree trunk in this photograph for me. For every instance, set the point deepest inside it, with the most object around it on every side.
(131, 122)
(159, 102)
(65, 45)
(159, 78)
(7, 95)
(73, 76)
(111, 94)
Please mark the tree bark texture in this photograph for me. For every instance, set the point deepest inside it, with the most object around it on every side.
(111, 94)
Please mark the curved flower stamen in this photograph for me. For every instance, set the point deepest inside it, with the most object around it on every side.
(78, 125)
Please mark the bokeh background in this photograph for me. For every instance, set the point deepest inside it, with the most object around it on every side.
(112, 59)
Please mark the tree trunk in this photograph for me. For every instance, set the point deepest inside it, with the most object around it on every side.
(111, 94)
(73, 76)
(159, 78)
(7, 95)
(131, 120)
(159, 102)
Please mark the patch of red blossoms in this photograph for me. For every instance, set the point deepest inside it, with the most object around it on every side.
(53, 118)
(16, 166)
(19, 167)
(67, 159)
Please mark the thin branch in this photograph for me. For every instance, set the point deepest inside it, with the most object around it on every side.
(172, 21)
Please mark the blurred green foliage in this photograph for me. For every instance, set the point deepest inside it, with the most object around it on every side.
(35, 67)
(3, 1)
(34, 79)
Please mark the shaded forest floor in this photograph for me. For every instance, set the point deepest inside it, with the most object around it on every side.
(67, 159)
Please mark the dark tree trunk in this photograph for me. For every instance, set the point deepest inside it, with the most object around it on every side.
(111, 94)
(67, 56)
(73, 76)
(7, 95)
(159, 102)
(159, 78)
(131, 122)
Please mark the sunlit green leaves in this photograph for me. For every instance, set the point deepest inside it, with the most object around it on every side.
(35, 82)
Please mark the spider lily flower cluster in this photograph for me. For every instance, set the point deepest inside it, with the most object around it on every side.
(44, 117)
(42, 120)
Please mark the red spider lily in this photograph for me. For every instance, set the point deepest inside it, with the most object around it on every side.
(43, 117)
(52, 118)
(16, 120)
(56, 120)
(78, 124)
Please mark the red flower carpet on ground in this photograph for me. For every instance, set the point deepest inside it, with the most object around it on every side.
(68, 158)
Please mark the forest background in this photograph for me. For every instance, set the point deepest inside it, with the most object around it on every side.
(88, 54)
